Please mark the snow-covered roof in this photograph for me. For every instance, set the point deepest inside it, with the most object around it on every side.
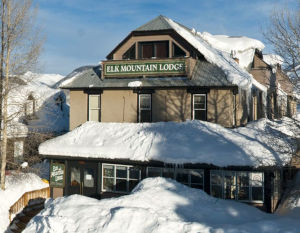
(273, 59)
(235, 74)
(48, 114)
(256, 145)
(240, 47)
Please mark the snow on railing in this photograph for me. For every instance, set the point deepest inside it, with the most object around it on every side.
(26, 197)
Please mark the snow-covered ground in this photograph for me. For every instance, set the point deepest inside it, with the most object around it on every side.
(16, 185)
(157, 205)
(260, 143)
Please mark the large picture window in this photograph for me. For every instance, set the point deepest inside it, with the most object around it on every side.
(199, 107)
(94, 107)
(243, 185)
(119, 178)
(145, 113)
(190, 177)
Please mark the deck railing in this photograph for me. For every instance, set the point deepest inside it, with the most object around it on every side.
(24, 199)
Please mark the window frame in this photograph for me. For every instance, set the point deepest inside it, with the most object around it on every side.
(173, 50)
(237, 186)
(99, 108)
(115, 177)
(200, 109)
(154, 49)
(176, 171)
(140, 109)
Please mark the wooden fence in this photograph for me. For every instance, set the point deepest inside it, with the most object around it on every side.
(23, 201)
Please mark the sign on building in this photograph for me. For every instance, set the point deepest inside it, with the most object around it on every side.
(57, 175)
(141, 68)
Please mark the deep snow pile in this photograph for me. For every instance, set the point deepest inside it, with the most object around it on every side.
(240, 47)
(156, 205)
(261, 143)
(16, 185)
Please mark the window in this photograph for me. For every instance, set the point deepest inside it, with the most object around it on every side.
(119, 178)
(177, 51)
(199, 107)
(130, 53)
(94, 107)
(158, 49)
(145, 113)
(18, 151)
(190, 177)
(59, 102)
(30, 106)
(243, 186)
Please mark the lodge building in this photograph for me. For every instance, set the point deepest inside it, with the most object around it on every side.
(165, 72)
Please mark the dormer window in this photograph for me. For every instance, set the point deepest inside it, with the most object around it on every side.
(130, 53)
(177, 51)
(154, 49)
(30, 106)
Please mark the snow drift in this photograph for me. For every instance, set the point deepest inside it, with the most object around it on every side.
(156, 205)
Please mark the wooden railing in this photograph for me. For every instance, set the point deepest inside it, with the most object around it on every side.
(23, 201)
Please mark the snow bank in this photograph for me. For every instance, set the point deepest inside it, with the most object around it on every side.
(261, 143)
(16, 185)
(156, 205)
(240, 47)
(235, 74)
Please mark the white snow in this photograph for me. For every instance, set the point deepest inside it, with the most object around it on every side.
(240, 47)
(157, 205)
(48, 114)
(273, 59)
(261, 143)
(135, 84)
(16, 185)
(235, 74)
(290, 205)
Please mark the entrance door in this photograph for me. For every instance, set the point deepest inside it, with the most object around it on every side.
(83, 178)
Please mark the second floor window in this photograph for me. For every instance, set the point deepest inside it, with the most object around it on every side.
(199, 107)
(158, 49)
(94, 107)
(145, 113)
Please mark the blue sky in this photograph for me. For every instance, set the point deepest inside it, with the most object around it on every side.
(83, 32)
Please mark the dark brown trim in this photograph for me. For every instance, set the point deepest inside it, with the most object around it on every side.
(95, 91)
(178, 38)
(158, 88)
(198, 90)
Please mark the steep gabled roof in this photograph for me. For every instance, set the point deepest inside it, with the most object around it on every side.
(159, 23)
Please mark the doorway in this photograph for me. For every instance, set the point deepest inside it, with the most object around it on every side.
(83, 178)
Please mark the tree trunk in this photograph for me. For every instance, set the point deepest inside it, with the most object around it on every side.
(5, 97)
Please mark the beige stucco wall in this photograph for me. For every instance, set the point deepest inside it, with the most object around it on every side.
(171, 105)
(78, 108)
(118, 106)
(220, 107)
(167, 105)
